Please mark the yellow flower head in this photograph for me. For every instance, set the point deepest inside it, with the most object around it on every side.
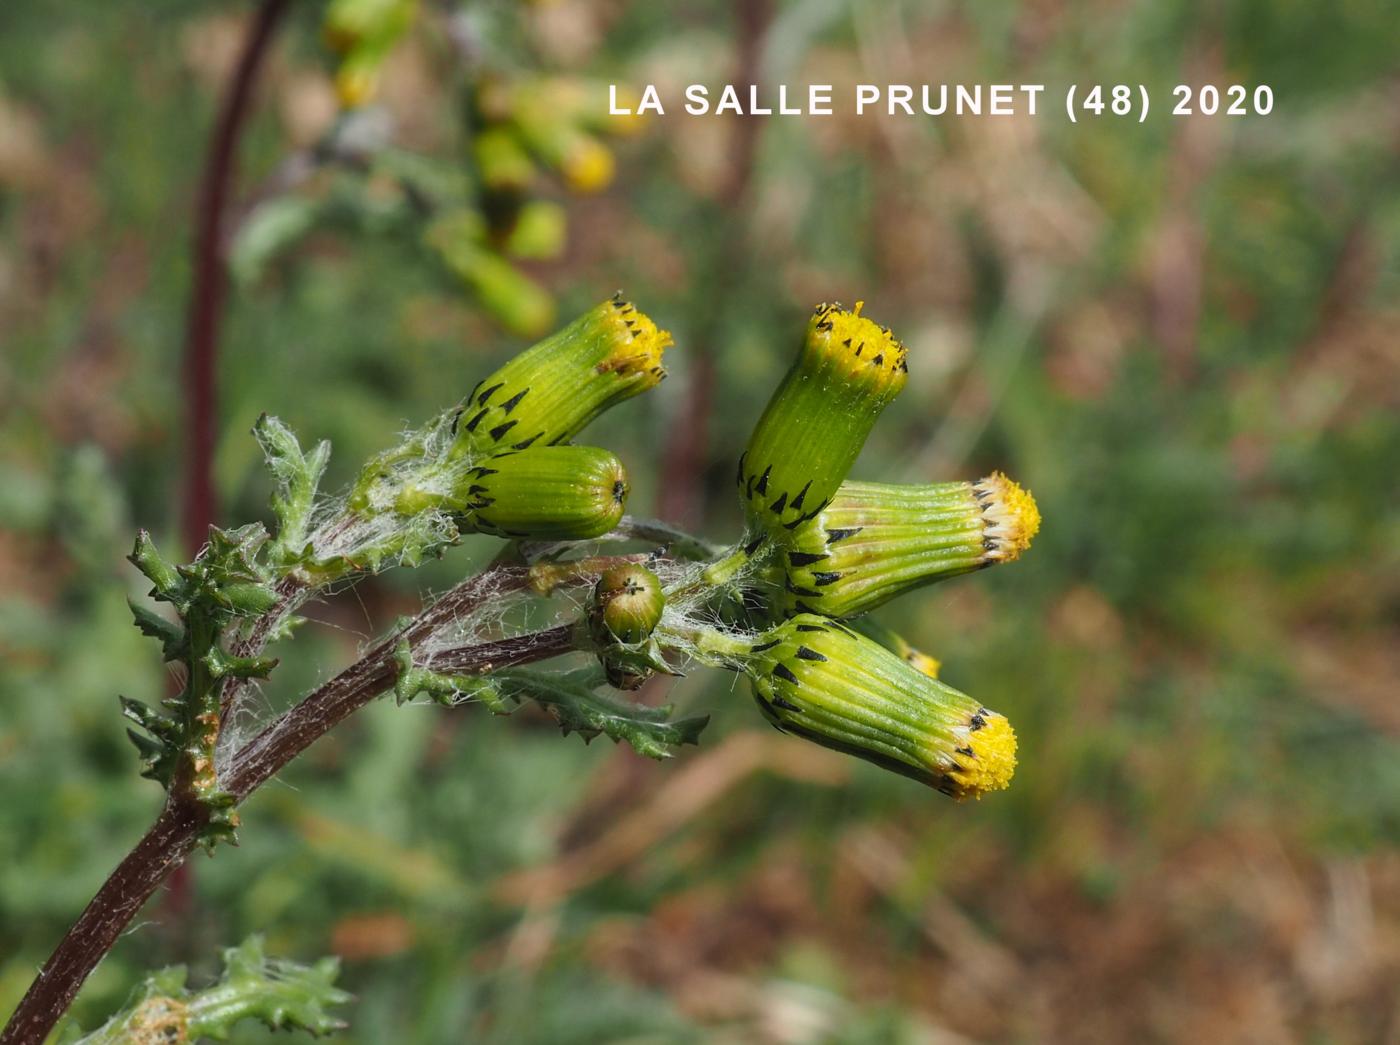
(988, 760)
(861, 348)
(638, 344)
(1011, 515)
(809, 435)
(588, 165)
(549, 392)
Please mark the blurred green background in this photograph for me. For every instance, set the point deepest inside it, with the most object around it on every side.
(1180, 334)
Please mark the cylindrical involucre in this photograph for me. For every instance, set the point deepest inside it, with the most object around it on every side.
(818, 679)
(813, 428)
(875, 541)
(548, 393)
(559, 493)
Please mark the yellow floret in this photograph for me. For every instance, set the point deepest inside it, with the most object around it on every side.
(588, 166)
(639, 344)
(355, 85)
(1011, 515)
(860, 345)
(992, 761)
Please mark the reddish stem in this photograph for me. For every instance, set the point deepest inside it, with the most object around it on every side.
(175, 833)
(206, 308)
(210, 286)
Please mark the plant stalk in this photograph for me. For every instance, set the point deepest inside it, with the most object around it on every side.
(210, 280)
(176, 831)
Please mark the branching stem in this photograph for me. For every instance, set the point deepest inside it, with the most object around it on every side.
(174, 834)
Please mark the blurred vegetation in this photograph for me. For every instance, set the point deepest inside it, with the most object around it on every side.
(1181, 335)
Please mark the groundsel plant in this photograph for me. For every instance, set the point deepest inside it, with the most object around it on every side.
(783, 606)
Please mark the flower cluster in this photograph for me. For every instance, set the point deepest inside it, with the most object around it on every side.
(493, 207)
(821, 550)
(523, 128)
(500, 462)
(785, 606)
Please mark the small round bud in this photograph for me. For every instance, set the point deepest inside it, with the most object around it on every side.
(627, 605)
(539, 232)
(875, 541)
(586, 163)
(813, 428)
(818, 679)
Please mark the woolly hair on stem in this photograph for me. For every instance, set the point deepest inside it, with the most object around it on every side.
(501, 462)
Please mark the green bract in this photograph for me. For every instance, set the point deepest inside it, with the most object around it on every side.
(818, 679)
(548, 393)
(848, 371)
(875, 541)
(560, 493)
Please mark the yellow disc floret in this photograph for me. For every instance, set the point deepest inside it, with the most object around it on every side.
(638, 344)
(588, 165)
(988, 760)
(862, 346)
(1012, 518)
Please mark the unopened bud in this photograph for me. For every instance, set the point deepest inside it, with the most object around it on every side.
(818, 679)
(363, 32)
(875, 541)
(502, 160)
(813, 428)
(559, 493)
(539, 232)
(627, 606)
(586, 164)
(516, 301)
(549, 392)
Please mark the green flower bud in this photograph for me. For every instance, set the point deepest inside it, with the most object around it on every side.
(502, 160)
(548, 393)
(849, 369)
(350, 24)
(363, 32)
(627, 606)
(539, 232)
(875, 541)
(516, 301)
(545, 493)
(818, 679)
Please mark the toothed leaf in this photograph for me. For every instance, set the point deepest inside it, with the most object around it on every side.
(297, 476)
(283, 995)
(173, 641)
(157, 569)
